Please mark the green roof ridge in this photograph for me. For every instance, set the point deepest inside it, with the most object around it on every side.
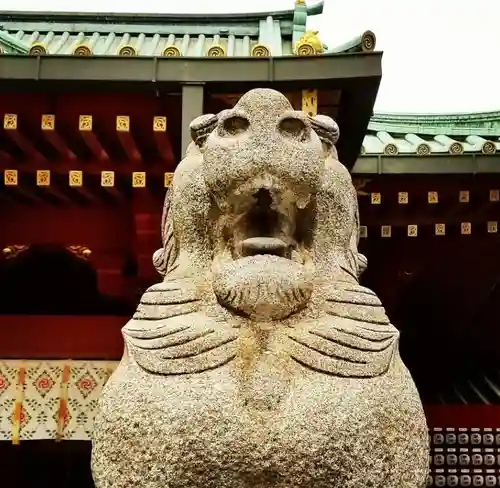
(300, 14)
(239, 24)
(486, 123)
(148, 18)
(13, 44)
(457, 116)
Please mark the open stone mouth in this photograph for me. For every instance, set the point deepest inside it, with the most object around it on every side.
(271, 223)
(263, 270)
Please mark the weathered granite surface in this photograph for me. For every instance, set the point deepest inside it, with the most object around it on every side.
(259, 361)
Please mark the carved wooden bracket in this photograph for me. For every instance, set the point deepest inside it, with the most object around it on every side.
(81, 252)
(11, 252)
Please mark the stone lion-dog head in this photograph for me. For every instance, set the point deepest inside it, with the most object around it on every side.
(261, 205)
(260, 224)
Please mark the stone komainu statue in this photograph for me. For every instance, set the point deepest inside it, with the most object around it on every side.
(259, 361)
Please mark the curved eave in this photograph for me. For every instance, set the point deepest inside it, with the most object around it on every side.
(364, 42)
(191, 69)
(412, 144)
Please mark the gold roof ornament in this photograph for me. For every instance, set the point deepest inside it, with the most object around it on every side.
(309, 44)
(216, 51)
(37, 49)
(260, 50)
(300, 2)
(127, 50)
(171, 51)
(82, 50)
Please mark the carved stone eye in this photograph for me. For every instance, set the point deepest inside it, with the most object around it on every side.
(293, 127)
(235, 125)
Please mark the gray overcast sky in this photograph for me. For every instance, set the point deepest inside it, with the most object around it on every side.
(439, 55)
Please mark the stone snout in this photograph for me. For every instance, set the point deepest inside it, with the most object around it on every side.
(261, 267)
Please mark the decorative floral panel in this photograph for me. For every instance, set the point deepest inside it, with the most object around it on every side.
(50, 399)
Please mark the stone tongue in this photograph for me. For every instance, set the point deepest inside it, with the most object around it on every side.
(263, 245)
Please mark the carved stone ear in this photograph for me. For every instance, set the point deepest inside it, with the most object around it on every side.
(202, 127)
(327, 130)
(362, 263)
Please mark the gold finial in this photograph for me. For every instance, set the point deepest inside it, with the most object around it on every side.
(300, 2)
(309, 44)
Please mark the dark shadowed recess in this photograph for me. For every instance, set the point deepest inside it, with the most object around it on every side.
(50, 280)
(46, 464)
(443, 294)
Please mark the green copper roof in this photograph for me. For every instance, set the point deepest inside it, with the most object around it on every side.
(150, 34)
(426, 134)
(193, 35)
(11, 44)
(487, 123)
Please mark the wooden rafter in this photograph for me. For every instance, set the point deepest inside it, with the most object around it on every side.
(6, 198)
(76, 180)
(11, 182)
(126, 139)
(161, 137)
(11, 128)
(48, 126)
(5, 156)
(44, 182)
(108, 184)
(85, 125)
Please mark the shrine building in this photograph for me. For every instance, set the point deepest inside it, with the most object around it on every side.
(95, 113)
